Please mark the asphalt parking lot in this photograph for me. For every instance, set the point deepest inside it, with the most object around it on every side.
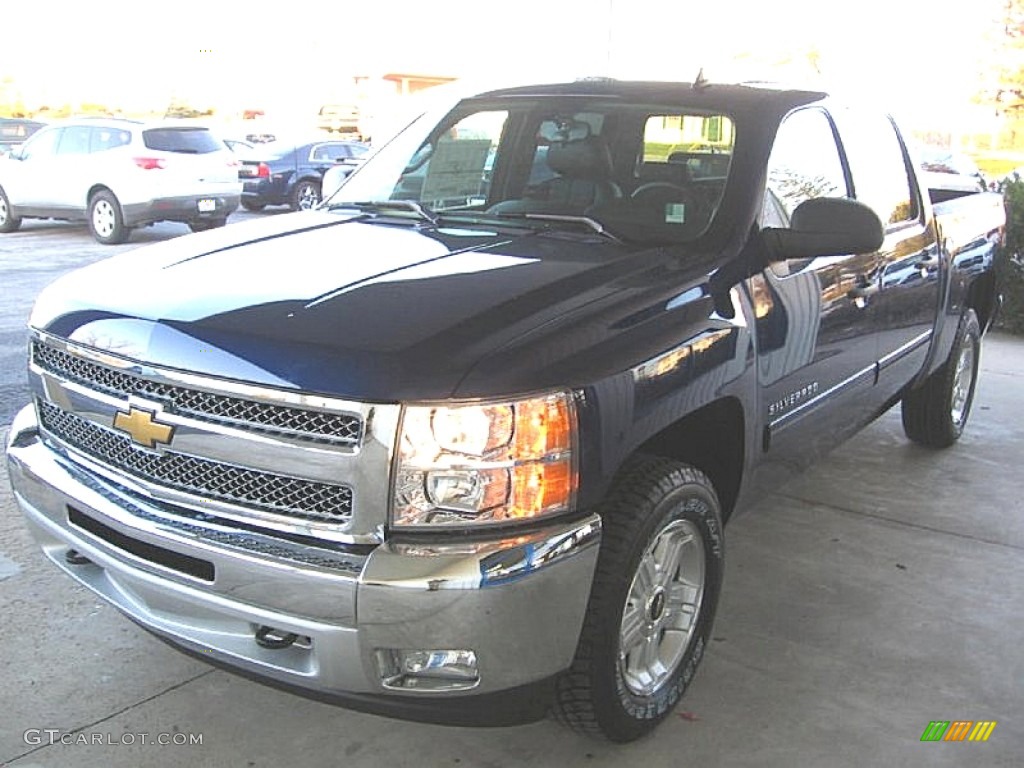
(874, 594)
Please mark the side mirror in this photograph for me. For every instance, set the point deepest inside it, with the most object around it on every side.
(333, 180)
(826, 226)
(15, 153)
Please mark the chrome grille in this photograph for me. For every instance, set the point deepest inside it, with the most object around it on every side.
(312, 425)
(279, 494)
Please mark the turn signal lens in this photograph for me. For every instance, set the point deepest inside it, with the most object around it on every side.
(485, 463)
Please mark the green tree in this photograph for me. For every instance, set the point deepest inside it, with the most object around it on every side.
(1003, 76)
(1010, 260)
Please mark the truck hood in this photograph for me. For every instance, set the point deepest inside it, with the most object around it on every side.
(344, 306)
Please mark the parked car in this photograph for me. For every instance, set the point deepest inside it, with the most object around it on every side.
(118, 175)
(468, 455)
(340, 118)
(292, 175)
(15, 130)
(949, 174)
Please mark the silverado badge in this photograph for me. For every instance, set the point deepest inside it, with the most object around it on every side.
(143, 427)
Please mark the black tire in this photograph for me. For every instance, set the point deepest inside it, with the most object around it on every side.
(642, 608)
(936, 413)
(106, 221)
(201, 225)
(252, 205)
(8, 221)
(305, 195)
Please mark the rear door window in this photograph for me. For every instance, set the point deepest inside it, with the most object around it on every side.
(687, 146)
(189, 141)
(878, 166)
(103, 139)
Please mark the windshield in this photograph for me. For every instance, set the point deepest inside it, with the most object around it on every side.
(643, 172)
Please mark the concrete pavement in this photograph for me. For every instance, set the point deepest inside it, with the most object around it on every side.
(879, 591)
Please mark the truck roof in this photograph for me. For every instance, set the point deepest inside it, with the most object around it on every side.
(739, 95)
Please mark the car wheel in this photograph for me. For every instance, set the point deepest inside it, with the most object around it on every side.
(106, 220)
(201, 225)
(305, 196)
(8, 221)
(253, 206)
(936, 413)
(653, 601)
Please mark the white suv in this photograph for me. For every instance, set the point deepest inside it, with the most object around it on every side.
(119, 174)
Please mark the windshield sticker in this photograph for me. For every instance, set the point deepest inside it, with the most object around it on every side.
(456, 170)
(675, 213)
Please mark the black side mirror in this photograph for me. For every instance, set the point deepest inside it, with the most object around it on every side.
(826, 226)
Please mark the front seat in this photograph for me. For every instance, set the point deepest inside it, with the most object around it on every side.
(584, 170)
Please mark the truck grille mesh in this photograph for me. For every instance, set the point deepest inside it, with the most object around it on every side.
(316, 426)
(289, 496)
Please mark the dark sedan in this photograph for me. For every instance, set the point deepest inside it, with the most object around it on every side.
(14, 131)
(292, 175)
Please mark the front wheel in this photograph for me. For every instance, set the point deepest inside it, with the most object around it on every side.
(106, 220)
(936, 413)
(305, 196)
(652, 604)
(8, 221)
(252, 205)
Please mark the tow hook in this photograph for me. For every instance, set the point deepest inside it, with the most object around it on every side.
(74, 557)
(275, 639)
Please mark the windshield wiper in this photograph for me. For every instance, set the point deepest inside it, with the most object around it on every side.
(593, 224)
(374, 206)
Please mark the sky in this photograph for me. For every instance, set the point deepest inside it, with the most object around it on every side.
(916, 56)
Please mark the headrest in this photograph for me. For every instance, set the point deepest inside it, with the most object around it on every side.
(587, 158)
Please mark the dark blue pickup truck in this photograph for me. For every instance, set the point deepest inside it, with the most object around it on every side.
(459, 445)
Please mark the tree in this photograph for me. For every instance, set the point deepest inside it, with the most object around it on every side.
(1003, 88)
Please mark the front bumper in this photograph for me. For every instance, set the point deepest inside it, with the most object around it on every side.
(517, 603)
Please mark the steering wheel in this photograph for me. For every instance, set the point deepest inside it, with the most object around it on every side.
(664, 189)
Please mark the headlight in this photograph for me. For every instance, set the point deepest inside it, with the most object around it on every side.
(485, 463)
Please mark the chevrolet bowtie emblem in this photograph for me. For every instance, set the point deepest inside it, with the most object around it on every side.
(143, 428)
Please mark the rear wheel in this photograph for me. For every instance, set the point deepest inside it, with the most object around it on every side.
(652, 604)
(305, 196)
(252, 205)
(106, 220)
(936, 413)
(8, 221)
(201, 225)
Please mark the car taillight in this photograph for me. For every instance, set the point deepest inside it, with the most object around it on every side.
(263, 171)
(149, 163)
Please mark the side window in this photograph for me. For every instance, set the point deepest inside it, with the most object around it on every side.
(42, 145)
(102, 139)
(74, 140)
(328, 153)
(805, 161)
(454, 170)
(878, 166)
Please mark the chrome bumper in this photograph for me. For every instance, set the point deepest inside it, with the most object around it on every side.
(517, 603)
